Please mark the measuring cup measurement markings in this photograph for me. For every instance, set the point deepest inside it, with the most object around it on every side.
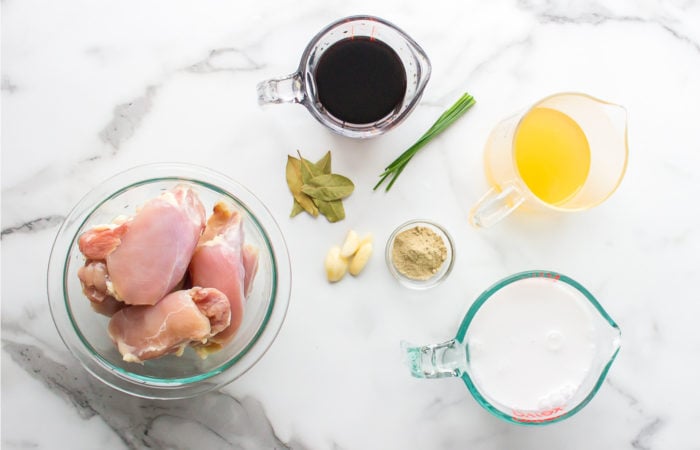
(568, 152)
(537, 417)
(504, 354)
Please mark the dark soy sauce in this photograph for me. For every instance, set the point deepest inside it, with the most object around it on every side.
(360, 80)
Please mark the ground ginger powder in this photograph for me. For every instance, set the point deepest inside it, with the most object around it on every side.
(418, 253)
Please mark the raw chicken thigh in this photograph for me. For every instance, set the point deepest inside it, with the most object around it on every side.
(222, 261)
(144, 257)
(250, 264)
(179, 319)
(93, 277)
(136, 267)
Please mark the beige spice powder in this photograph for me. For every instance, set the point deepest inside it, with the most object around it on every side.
(418, 253)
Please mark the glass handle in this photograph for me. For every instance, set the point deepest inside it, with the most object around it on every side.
(495, 205)
(287, 89)
(447, 359)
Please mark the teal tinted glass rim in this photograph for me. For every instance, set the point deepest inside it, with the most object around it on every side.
(548, 274)
(170, 382)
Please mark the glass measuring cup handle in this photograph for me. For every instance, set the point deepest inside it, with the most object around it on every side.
(447, 359)
(495, 205)
(289, 89)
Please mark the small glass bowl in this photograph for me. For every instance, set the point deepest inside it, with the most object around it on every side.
(170, 377)
(445, 268)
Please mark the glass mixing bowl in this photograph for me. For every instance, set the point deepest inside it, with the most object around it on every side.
(85, 332)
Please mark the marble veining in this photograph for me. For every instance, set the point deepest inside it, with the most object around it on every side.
(8, 86)
(40, 223)
(225, 60)
(92, 89)
(599, 14)
(646, 434)
(127, 118)
(652, 425)
(594, 18)
(224, 420)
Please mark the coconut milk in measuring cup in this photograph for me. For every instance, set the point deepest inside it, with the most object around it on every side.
(533, 349)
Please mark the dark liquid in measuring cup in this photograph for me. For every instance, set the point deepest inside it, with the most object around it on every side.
(360, 80)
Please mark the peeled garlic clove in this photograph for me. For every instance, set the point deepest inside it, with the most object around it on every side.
(351, 244)
(359, 261)
(369, 237)
(335, 265)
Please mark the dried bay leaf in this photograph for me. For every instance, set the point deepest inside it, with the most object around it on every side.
(334, 210)
(308, 169)
(295, 182)
(296, 209)
(328, 187)
(301, 171)
(324, 164)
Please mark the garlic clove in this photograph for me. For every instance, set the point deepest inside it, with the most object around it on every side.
(361, 258)
(351, 244)
(336, 266)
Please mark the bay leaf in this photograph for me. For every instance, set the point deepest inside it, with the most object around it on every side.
(296, 209)
(324, 164)
(308, 169)
(328, 187)
(333, 210)
(295, 182)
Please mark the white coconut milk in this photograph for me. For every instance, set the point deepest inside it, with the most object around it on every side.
(532, 344)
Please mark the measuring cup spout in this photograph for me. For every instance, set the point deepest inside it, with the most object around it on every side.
(447, 359)
(614, 340)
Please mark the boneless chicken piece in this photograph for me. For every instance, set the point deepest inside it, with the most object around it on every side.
(181, 318)
(222, 261)
(250, 265)
(93, 278)
(144, 256)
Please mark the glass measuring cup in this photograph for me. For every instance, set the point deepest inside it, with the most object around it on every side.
(481, 361)
(518, 179)
(300, 87)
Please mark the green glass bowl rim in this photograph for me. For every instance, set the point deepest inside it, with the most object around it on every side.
(164, 382)
(547, 274)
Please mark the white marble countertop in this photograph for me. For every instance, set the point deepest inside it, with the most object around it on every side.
(93, 88)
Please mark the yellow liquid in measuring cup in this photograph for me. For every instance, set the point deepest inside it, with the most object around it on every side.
(552, 155)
